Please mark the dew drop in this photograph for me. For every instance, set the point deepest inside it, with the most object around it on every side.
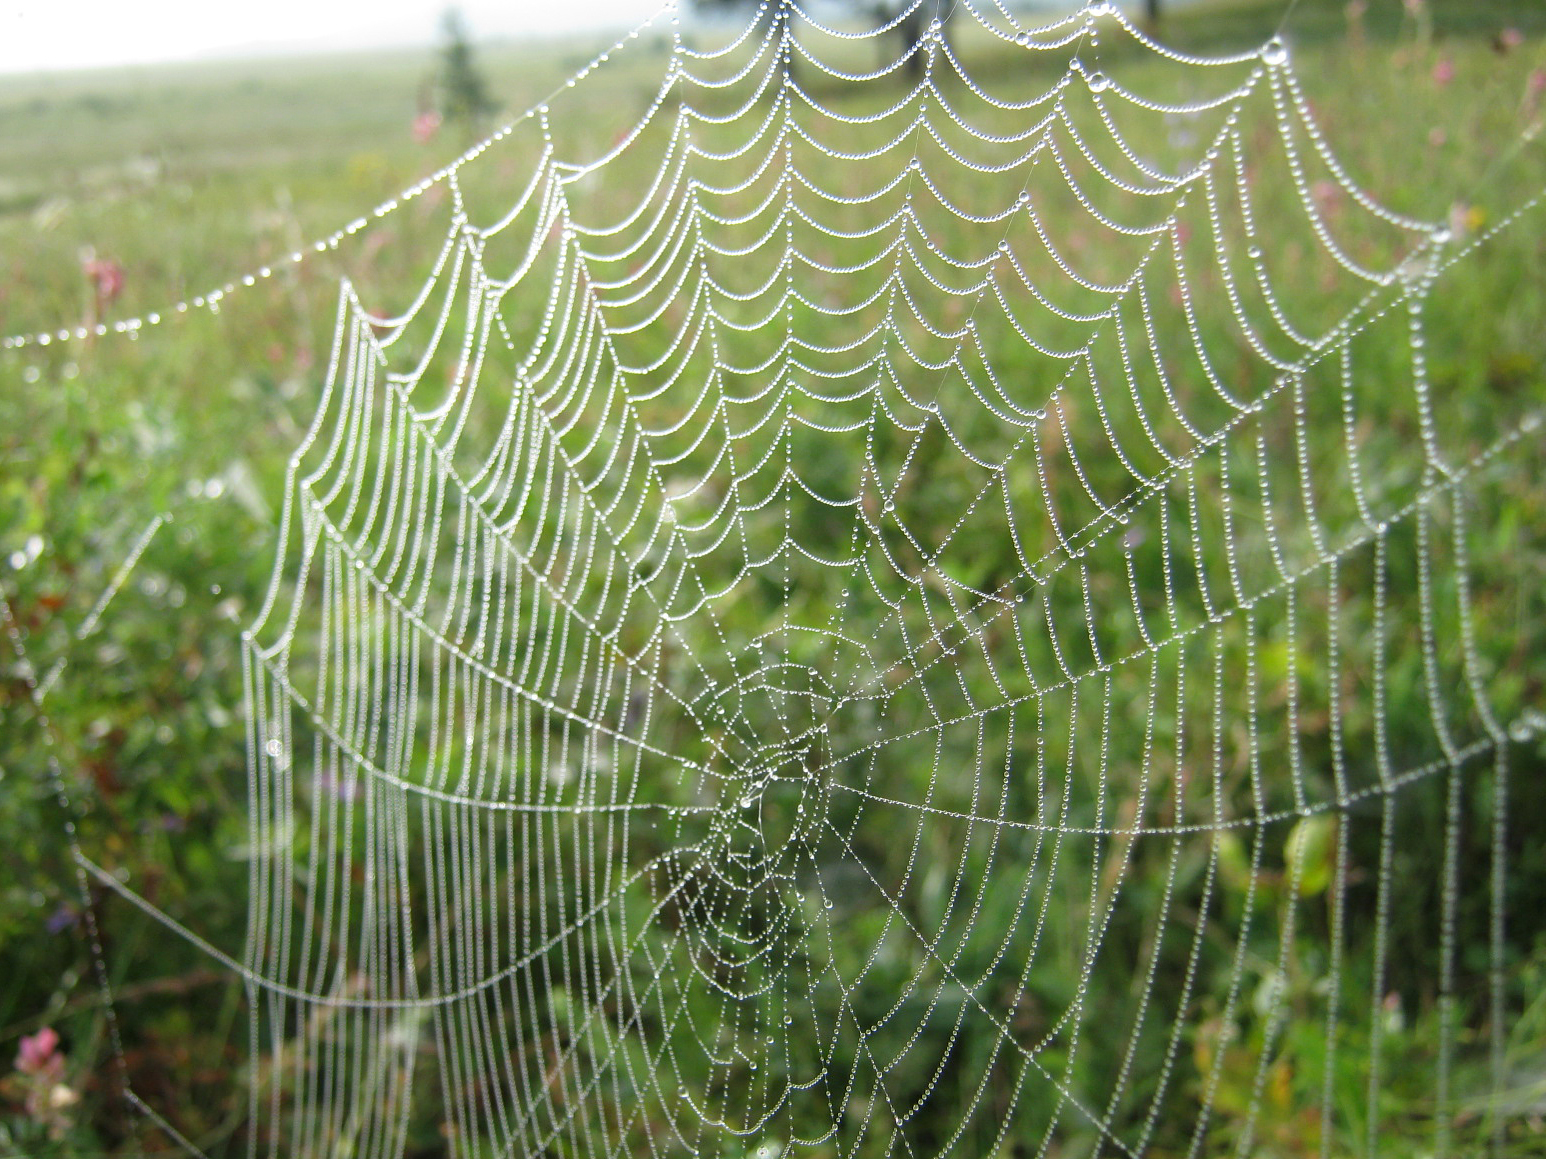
(1275, 53)
(1099, 82)
(1530, 723)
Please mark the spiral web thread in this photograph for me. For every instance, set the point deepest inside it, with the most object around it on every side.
(638, 763)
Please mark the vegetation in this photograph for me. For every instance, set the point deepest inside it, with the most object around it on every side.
(122, 192)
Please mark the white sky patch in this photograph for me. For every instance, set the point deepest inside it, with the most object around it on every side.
(47, 35)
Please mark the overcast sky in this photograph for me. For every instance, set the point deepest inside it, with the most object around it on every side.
(45, 35)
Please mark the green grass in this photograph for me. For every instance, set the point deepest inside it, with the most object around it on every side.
(191, 177)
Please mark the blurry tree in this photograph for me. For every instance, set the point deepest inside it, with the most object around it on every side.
(463, 92)
(917, 19)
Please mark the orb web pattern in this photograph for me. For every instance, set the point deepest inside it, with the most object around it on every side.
(644, 764)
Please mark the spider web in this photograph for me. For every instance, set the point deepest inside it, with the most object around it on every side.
(909, 633)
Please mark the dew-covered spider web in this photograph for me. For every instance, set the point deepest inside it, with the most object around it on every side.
(872, 607)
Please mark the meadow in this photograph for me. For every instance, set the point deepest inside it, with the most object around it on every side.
(1414, 912)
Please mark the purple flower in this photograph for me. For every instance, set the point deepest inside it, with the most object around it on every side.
(342, 790)
(61, 919)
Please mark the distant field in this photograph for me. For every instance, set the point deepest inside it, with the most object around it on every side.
(198, 171)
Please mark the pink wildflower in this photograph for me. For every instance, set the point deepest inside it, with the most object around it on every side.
(48, 1098)
(1536, 87)
(1508, 40)
(1443, 71)
(106, 276)
(425, 126)
(39, 1054)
